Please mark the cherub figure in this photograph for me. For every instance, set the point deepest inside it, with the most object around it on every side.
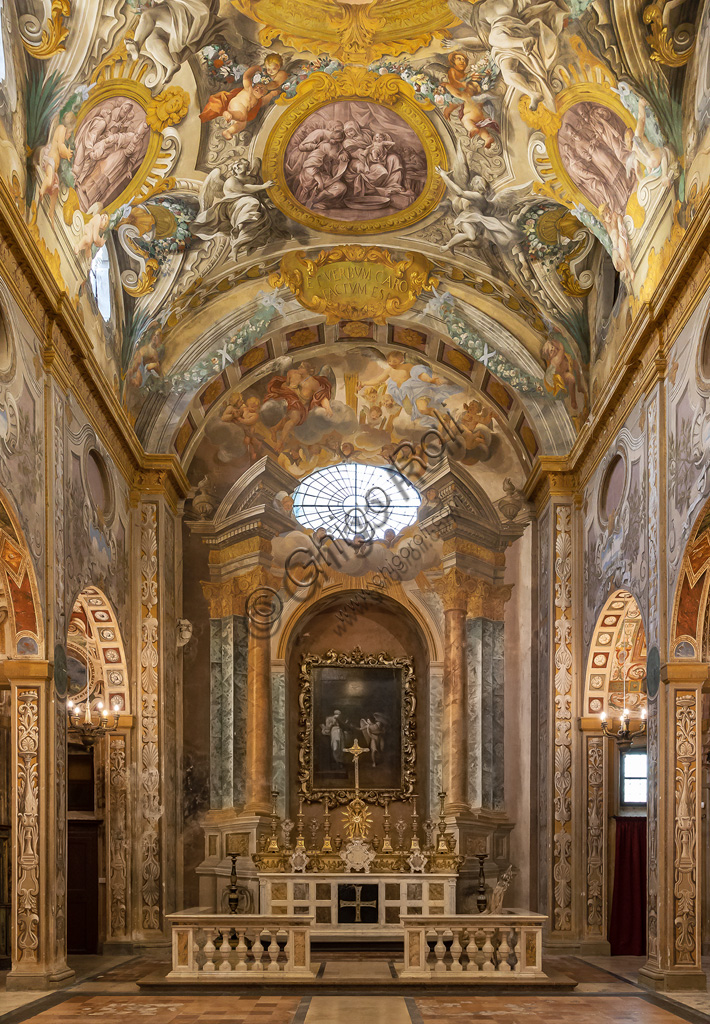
(93, 234)
(51, 155)
(146, 359)
(560, 368)
(658, 160)
(473, 116)
(260, 85)
(613, 221)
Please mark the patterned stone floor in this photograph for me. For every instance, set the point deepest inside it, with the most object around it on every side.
(106, 992)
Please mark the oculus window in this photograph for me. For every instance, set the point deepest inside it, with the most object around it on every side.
(634, 778)
(351, 500)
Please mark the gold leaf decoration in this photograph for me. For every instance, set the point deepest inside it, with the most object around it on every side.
(354, 282)
(54, 34)
(167, 109)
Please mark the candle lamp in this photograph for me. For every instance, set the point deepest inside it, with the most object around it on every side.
(89, 723)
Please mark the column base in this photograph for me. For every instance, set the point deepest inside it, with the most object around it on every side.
(690, 980)
(594, 947)
(38, 981)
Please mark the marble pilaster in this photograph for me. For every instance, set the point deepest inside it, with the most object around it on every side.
(674, 960)
(38, 952)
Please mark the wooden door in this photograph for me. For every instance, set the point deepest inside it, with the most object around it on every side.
(83, 887)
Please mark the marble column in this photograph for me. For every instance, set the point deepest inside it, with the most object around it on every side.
(259, 724)
(674, 821)
(485, 713)
(38, 958)
(455, 718)
(228, 700)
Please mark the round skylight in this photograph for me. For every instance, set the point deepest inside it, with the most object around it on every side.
(350, 500)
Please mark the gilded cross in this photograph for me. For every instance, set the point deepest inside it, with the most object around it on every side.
(356, 750)
(358, 902)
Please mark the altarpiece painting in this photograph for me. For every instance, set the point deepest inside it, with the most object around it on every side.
(356, 698)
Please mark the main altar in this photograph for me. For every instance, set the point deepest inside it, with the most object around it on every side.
(353, 884)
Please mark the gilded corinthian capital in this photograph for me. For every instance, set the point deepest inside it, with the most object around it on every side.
(231, 596)
(477, 597)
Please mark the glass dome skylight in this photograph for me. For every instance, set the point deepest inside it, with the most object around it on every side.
(351, 500)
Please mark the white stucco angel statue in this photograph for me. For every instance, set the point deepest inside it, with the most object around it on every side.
(168, 32)
(478, 216)
(236, 206)
(522, 37)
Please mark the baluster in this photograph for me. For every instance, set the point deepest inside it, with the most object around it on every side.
(273, 952)
(516, 946)
(257, 951)
(287, 950)
(195, 950)
(209, 951)
(241, 964)
(225, 950)
(471, 951)
(456, 951)
(440, 951)
(488, 964)
(503, 951)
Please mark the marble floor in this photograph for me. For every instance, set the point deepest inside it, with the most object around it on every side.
(106, 991)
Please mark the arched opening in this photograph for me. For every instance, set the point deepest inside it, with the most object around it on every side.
(616, 774)
(96, 778)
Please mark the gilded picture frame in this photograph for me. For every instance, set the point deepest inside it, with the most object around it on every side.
(395, 96)
(348, 697)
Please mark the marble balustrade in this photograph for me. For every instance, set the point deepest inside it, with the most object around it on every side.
(506, 946)
(241, 946)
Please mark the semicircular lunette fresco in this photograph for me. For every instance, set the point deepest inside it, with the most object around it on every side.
(308, 412)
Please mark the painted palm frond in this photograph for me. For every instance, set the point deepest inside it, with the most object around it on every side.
(43, 99)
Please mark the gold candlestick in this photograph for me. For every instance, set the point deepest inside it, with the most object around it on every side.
(442, 845)
(327, 846)
(387, 842)
(273, 844)
(415, 824)
(300, 839)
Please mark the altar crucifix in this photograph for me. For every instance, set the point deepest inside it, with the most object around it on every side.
(356, 750)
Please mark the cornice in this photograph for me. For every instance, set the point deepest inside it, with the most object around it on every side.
(642, 361)
(68, 357)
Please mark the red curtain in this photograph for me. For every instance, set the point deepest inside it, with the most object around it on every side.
(627, 925)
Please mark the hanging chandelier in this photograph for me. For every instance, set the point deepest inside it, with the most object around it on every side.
(87, 724)
(626, 733)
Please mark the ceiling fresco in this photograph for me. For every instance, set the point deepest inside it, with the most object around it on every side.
(507, 179)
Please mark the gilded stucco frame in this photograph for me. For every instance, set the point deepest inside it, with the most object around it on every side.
(306, 726)
(318, 91)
